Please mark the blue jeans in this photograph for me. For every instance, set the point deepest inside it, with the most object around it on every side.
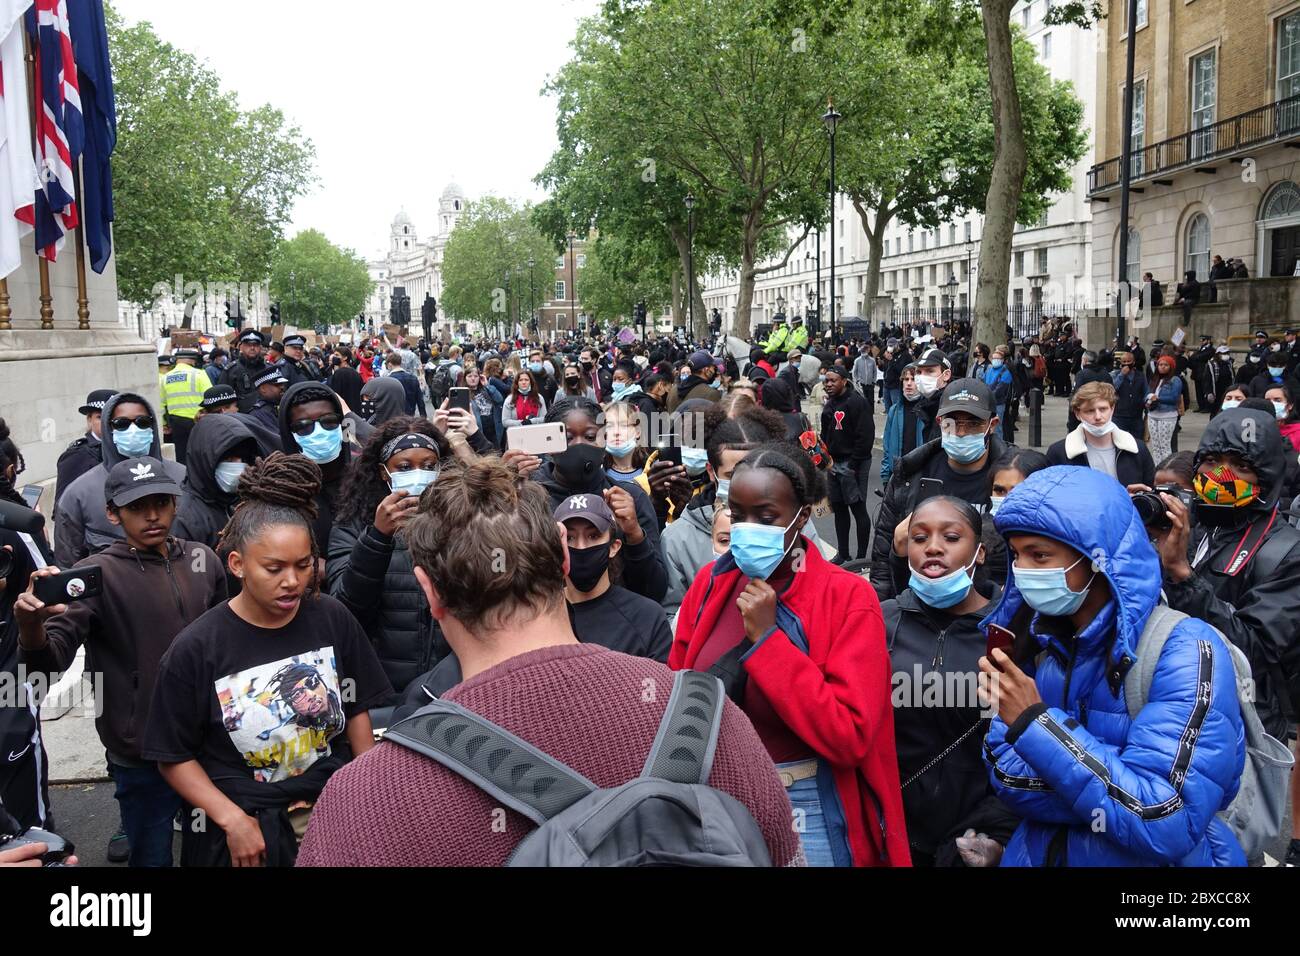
(148, 807)
(819, 817)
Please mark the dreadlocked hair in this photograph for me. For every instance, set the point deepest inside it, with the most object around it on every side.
(363, 488)
(277, 490)
(808, 483)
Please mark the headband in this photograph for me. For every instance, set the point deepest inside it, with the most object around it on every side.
(409, 440)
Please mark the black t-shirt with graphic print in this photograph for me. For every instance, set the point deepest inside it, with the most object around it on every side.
(262, 704)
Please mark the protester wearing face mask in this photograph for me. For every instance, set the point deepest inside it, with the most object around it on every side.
(1216, 378)
(87, 451)
(81, 526)
(848, 428)
(695, 381)
(1009, 471)
(1254, 364)
(1164, 405)
(543, 376)
(1233, 397)
(1274, 373)
(311, 423)
(1239, 567)
(999, 380)
(934, 639)
(1063, 749)
(904, 429)
(800, 645)
(576, 384)
(525, 405)
(933, 373)
(221, 447)
(368, 566)
(580, 470)
(625, 454)
(1099, 443)
(1130, 395)
(960, 459)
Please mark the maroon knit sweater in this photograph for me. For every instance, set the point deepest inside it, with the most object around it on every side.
(580, 703)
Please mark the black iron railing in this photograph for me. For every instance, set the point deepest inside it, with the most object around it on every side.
(1277, 121)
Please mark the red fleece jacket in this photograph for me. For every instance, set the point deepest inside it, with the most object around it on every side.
(836, 698)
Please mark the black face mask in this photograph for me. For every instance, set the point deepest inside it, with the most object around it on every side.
(586, 565)
(579, 467)
(572, 381)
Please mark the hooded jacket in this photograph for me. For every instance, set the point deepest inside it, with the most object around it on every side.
(147, 600)
(643, 565)
(82, 526)
(205, 508)
(1077, 759)
(388, 397)
(1251, 601)
(328, 495)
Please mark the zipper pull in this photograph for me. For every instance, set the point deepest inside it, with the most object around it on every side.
(938, 649)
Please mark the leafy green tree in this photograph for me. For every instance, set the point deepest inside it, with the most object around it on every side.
(620, 273)
(486, 278)
(318, 283)
(201, 188)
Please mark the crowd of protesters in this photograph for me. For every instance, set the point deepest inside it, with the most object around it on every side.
(352, 561)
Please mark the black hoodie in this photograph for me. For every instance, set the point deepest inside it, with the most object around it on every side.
(333, 472)
(81, 526)
(205, 508)
(1246, 567)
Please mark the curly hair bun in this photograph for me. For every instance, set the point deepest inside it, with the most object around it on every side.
(290, 481)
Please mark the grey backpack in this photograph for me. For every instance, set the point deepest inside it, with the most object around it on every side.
(1257, 812)
(668, 816)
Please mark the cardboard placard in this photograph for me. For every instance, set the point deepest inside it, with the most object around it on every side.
(185, 339)
(1179, 336)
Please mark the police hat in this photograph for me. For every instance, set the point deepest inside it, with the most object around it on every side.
(252, 335)
(292, 341)
(96, 401)
(272, 374)
(191, 354)
(219, 395)
(165, 361)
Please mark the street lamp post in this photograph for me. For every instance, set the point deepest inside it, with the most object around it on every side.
(532, 308)
(832, 119)
(293, 284)
(690, 262)
(951, 289)
(815, 331)
(1126, 175)
(970, 246)
(573, 290)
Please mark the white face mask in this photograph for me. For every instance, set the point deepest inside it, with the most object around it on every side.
(1098, 431)
(927, 385)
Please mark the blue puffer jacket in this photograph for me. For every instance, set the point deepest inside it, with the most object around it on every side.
(1095, 787)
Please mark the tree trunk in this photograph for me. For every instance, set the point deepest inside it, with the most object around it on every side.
(1006, 182)
(677, 296)
(701, 326)
(745, 292)
(875, 252)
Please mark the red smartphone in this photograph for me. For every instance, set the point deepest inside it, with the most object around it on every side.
(1000, 638)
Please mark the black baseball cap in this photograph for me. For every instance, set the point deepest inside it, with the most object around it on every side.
(219, 395)
(589, 507)
(933, 357)
(136, 478)
(968, 395)
(96, 401)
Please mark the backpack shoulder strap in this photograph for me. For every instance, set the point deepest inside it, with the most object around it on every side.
(493, 759)
(688, 734)
(1137, 682)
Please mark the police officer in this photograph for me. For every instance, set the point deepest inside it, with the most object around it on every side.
(182, 394)
(294, 366)
(778, 340)
(241, 373)
(270, 388)
(87, 451)
(798, 337)
(218, 400)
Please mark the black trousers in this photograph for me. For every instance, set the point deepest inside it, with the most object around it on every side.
(181, 428)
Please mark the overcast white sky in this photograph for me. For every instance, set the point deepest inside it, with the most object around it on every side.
(398, 96)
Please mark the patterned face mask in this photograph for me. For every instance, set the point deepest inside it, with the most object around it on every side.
(1221, 486)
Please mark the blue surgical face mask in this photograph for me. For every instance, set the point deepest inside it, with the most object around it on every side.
(724, 489)
(964, 449)
(1275, 372)
(618, 451)
(759, 549)
(995, 502)
(685, 374)
(946, 591)
(525, 389)
(1229, 403)
(1046, 591)
(619, 389)
(535, 367)
(996, 363)
(134, 442)
(695, 460)
(227, 474)
(1279, 410)
(322, 445)
(413, 481)
(717, 385)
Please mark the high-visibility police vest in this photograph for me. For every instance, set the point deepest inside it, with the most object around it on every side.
(798, 339)
(776, 341)
(182, 391)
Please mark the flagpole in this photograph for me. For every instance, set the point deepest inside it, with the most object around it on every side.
(83, 299)
(43, 265)
(6, 313)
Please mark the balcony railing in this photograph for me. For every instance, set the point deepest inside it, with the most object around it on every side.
(1275, 122)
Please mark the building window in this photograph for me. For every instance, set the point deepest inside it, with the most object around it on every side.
(911, 244)
(925, 240)
(1138, 161)
(582, 262)
(559, 262)
(1133, 273)
(1197, 256)
(968, 230)
(456, 205)
(1288, 70)
(1203, 94)
(1018, 299)
(1024, 17)
(1042, 262)
(1047, 45)
(1142, 15)
(952, 233)
(1020, 262)
(559, 289)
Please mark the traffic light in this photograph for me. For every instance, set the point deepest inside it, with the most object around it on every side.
(232, 314)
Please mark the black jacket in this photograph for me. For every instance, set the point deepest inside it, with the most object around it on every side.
(333, 472)
(1090, 374)
(204, 508)
(1253, 601)
(240, 376)
(889, 572)
(77, 459)
(1133, 463)
(941, 803)
(644, 571)
(1130, 396)
(848, 427)
(373, 575)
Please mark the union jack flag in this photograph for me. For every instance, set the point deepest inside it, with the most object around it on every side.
(60, 127)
